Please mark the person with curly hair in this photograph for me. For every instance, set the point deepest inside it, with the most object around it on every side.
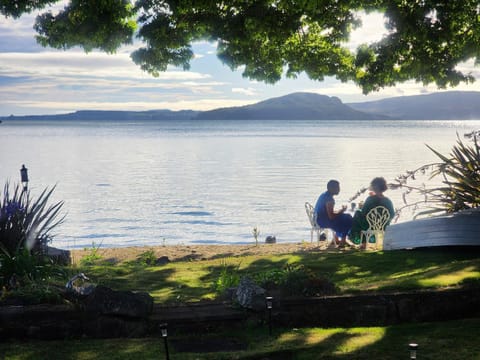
(376, 198)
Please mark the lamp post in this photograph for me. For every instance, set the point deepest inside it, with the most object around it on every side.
(413, 350)
(163, 330)
(269, 305)
(24, 177)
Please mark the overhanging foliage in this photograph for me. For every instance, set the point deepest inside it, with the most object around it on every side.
(426, 39)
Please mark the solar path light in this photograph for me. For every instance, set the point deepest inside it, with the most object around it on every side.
(163, 331)
(413, 350)
(269, 305)
(24, 177)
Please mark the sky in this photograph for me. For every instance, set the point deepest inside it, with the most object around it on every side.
(37, 81)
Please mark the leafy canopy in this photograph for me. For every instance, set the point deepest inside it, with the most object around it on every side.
(426, 39)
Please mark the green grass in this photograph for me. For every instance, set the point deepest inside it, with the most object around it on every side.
(352, 272)
(453, 340)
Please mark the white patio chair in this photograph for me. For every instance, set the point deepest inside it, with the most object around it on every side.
(377, 219)
(312, 217)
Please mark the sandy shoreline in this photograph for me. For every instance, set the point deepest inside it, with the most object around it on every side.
(199, 252)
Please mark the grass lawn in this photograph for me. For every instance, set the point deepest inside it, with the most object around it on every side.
(351, 271)
(453, 340)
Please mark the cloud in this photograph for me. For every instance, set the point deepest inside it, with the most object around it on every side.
(372, 30)
(78, 64)
(53, 106)
(37, 80)
(245, 91)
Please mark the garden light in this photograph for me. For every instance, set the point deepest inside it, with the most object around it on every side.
(163, 331)
(269, 305)
(24, 177)
(269, 302)
(413, 350)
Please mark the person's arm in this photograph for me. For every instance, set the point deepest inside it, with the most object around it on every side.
(331, 213)
(391, 209)
(329, 206)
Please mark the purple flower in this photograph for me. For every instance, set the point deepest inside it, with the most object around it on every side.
(11, 209)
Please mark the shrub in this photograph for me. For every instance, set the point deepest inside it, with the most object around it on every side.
(295, 279)
(461, 176)
(451, 185)
(147, 258)
(25, 231)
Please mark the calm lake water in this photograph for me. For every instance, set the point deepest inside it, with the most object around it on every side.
(207, 182)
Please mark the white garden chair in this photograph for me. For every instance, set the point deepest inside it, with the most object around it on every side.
(377, 219)
(315, 228)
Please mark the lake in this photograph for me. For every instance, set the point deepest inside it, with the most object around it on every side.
(207, 182)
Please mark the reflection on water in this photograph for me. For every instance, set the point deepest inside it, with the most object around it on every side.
(207, 182)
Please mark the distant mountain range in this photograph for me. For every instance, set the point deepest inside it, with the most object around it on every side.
(452, 105)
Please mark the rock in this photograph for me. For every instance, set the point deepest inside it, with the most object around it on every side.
(106, 301)
(162, 260)
(230, 293)
(59, 256)
(250, 295)
(270, 239)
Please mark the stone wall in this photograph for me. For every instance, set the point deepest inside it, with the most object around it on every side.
(378, 310)
(60, 322)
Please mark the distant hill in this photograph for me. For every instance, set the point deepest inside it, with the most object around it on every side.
(450, 105)
(112, 115)
(296, 106)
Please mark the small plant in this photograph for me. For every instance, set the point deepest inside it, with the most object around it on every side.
(93, 255)
(256, 234)
(229, 277)
(147, 258)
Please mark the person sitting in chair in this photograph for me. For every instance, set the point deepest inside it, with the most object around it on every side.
(327, 217)
(376, 198)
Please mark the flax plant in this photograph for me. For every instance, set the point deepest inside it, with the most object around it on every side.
(457, 177)
(25, 231)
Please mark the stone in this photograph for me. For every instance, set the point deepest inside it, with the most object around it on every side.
(104, 327)
(59, 256)
(250, 295)
(162, 260)
(270, 239)
(106, 301)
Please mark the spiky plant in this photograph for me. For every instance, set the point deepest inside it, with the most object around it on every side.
(459, 186)
(25, 231)
(461, 176)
